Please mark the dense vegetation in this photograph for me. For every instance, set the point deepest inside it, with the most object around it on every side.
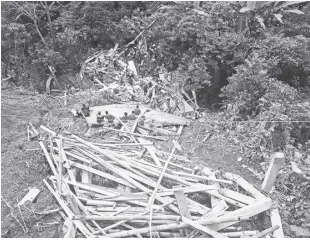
(253, 57)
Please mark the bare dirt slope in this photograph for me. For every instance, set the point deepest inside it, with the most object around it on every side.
(22, 168)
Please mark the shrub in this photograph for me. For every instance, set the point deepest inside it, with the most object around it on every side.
(292, 53)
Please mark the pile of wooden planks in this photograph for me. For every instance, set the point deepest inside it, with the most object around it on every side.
(131, 190)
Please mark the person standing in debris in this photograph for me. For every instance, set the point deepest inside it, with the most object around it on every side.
(109, 117)
(137, 110)
(100, 117)
(141, 121)
(152, 124)
(125, 117)
(132, 116)
(85, 110)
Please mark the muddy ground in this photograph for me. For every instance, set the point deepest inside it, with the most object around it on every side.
(23, 165)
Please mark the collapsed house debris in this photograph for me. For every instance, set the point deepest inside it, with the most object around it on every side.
(131, 189)
(120, 80)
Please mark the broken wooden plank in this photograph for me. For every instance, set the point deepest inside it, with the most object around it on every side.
(182, 205)
(153, 196)
(195, 98)
(86, 175)
(245, 185)
(276, 221)
(30, 196)
(202, 228)
(151, 150)
(272, 172)
(237, 196)
(250, 210)
(127, 217)
(69, 229)
(266, 232)
(48, 158)
(141, 130)
(180, 130)
(102, 174)
(67, 210)
(174, 226)
(240, 234)
(133, 134)
(131, 227)
(202, 177)
(215, 212)
(207, 171)
(177, 145)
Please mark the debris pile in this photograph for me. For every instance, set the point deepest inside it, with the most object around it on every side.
(120, 81)
(131, 189)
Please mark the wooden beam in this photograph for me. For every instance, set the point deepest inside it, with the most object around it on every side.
(203, 229)
(276, 221)
(151, 150)
(240, 234)
(245, 185)
(180, 130)
(237, 196)
(68, 211)
(266, 232)
(183, 207)
(249, 211)
(207, 171)
(69, 229)
(272, 172)
(30, 196)
(86, 175)
(215, 212)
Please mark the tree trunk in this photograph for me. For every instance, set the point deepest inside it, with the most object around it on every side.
(50, 23)
(40, 34)
(54, 76)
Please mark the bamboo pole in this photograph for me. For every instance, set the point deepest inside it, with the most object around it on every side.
(266, 231)
(215, 212)
(50, 162)
(237, 196)
(250, 210)
(134, 134)
(69, 213)
(82, 207)
(245, 185)
(202, 228)
(202, 177)
(152, 198)
(109, 166)
(60, 168)
(240, 234)
(131, 227)
(172, 226)
(128, 218)
(102, 174)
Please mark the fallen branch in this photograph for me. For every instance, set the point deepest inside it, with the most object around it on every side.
(133, 41)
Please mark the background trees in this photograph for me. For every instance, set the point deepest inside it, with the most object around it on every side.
(206, 42)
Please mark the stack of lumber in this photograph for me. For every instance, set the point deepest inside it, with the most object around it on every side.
(130, 190)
